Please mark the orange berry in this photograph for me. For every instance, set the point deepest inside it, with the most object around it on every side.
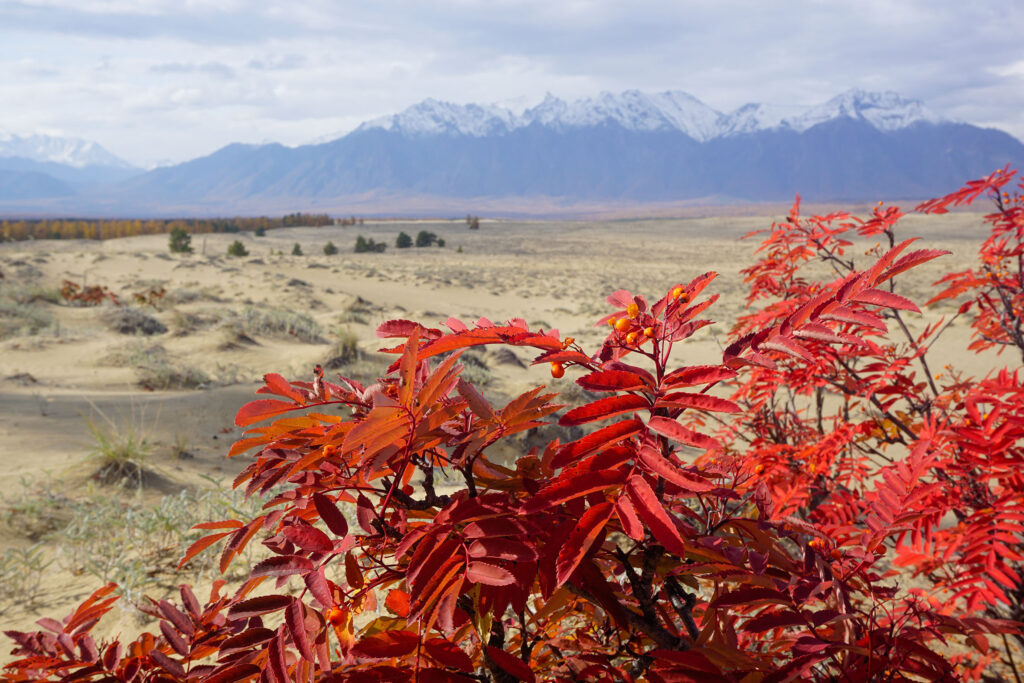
(759, 469)
(335, 616)
(612, 321)
(631, 338)
(622, 324)
(632, 310)
(836, 554)
(557, 370)
(648, 331)
(684, 298)
(677, 292)
(330, 451)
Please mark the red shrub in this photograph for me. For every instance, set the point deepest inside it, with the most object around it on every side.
(620, 556)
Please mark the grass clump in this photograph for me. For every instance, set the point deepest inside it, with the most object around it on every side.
(118, 453)
(346, 349)
(283, 324)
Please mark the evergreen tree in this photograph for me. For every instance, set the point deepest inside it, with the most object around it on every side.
(181, 241)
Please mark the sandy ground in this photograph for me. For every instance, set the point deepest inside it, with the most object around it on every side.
(78, 370)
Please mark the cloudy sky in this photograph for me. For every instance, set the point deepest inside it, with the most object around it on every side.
(167, 80)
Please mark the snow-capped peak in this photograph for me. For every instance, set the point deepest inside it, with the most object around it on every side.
(885, 111)
(432, 117)
(635, 110)
(68, 151)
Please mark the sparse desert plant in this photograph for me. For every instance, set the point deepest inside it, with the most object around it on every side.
(180, 241)
(23, 319)
(440, 242)
(753, 519)
(403, 241)
(132, 320)
(330, 249)
(237, 249)
(260, 232)
(279, 323)
(162, 374)
(296, 250)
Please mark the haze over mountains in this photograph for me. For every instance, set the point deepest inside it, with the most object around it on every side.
(623, 149)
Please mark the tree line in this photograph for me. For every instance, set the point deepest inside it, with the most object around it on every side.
(104, 228)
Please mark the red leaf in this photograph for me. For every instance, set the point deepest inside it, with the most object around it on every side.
(386, 644)
(489, 574)
(502, 549)
(319, 588)
(581, 539)
(510, 664)
(766, 622)
(677, 432)
(353, 574)
(568, 487)
(596, 441)
(331, 515)
(308, 538)
(278, 385)
(612, 380)
(697, 374)
(167, 664)
(448, 654)
(398, 602)
(256, 606)
(744, 596)
(654, 515)
(255, 411)
(661, 466)
(603, 408)
(627, 516)
(477, 403)
(699, 402)
(282, 565)
(878, 297)
(201, 545)
(230, 673)
(246, 640)
(295, 619)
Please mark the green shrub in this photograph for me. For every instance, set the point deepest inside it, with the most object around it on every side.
(296, 250)
(368, 245)
(330, 249)
(403, 241)
(425, 239)
(238, 249)
(180, 242)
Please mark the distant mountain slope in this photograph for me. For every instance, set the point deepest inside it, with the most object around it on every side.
(24, 185)
(632, 147)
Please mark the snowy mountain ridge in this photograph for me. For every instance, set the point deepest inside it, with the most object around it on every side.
(72, 152)
(666, 111)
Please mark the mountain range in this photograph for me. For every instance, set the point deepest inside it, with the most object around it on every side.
(623, 149)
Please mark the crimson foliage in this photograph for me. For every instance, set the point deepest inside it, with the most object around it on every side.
(755, 520)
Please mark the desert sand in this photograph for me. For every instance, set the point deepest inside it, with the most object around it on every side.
(229, 320)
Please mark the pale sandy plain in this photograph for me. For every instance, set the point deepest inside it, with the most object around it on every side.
(77, 369)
